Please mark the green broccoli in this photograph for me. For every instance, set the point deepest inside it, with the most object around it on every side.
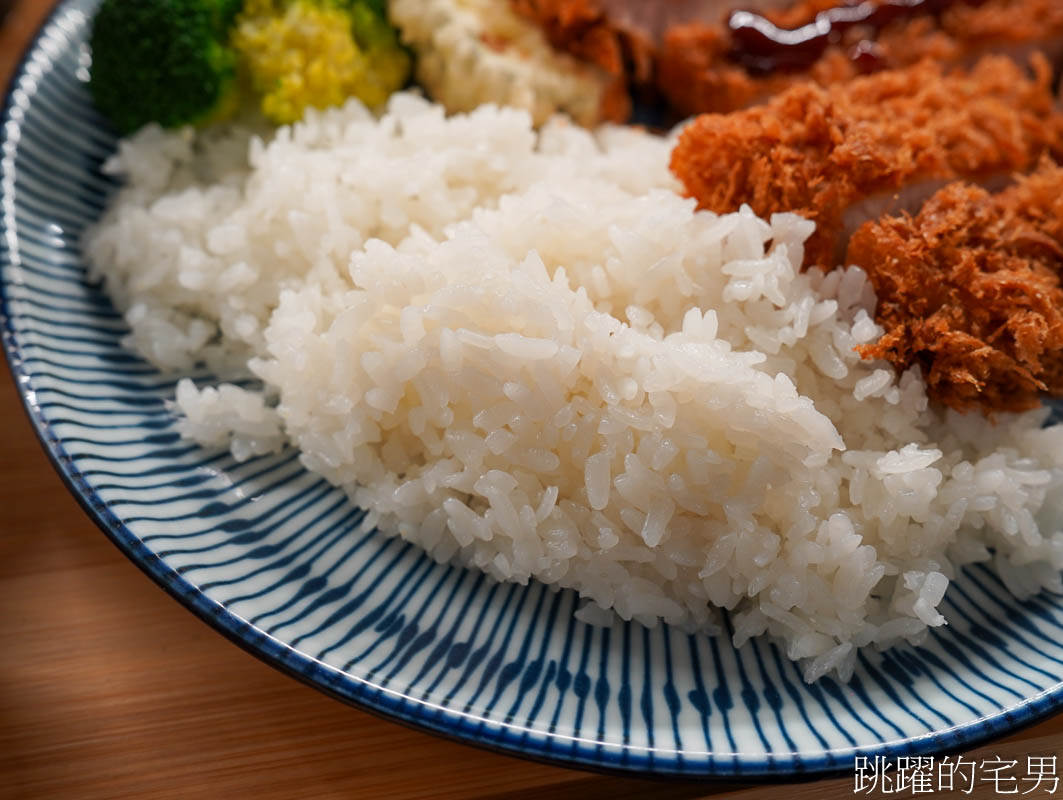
(165, 61)
(182, 62)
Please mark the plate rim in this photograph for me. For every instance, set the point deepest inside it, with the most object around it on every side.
(549, 748)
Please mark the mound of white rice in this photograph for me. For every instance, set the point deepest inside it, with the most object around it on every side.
(528, 353)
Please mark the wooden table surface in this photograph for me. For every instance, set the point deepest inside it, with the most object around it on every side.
(110, 689)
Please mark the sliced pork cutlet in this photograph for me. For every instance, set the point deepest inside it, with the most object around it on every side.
(969, 290)
(624, 37)
(712, 66)
(648, 19)
(714, 56)
(875, 145)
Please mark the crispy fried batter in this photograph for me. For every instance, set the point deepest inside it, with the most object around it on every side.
(695, 75)
(686, 56)
(819, 151)
(582, 29)
(969, 289)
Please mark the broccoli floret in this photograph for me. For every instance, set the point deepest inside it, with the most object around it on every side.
(164, 61)
(317, 53)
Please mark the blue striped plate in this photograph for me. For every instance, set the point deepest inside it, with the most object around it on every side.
(277, 560)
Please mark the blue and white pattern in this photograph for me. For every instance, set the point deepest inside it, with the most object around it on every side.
(277, 560)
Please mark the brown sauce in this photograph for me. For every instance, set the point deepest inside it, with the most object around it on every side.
(761, 46)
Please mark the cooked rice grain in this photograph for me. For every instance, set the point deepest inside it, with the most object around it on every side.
(526, 352)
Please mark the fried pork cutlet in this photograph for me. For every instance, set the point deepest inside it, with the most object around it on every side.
(697, 70)
(688, 52)
(878, 144)
(623, 37)
(581, 28)
(969, 289)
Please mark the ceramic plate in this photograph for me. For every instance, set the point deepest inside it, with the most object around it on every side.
(278, 561)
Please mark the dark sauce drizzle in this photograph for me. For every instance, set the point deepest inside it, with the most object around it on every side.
(761, 46)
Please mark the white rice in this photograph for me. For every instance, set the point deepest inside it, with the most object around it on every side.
(526, 352)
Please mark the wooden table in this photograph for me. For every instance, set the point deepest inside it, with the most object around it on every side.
(108, 688)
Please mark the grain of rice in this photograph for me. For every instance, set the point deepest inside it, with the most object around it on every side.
(525, 351)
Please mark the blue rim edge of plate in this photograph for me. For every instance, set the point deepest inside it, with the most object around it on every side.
(510, 740)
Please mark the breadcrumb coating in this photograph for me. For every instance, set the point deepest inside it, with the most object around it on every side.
(969, 290)
(582, 29)
(695, 75)
(819, 152)
(683, 50)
